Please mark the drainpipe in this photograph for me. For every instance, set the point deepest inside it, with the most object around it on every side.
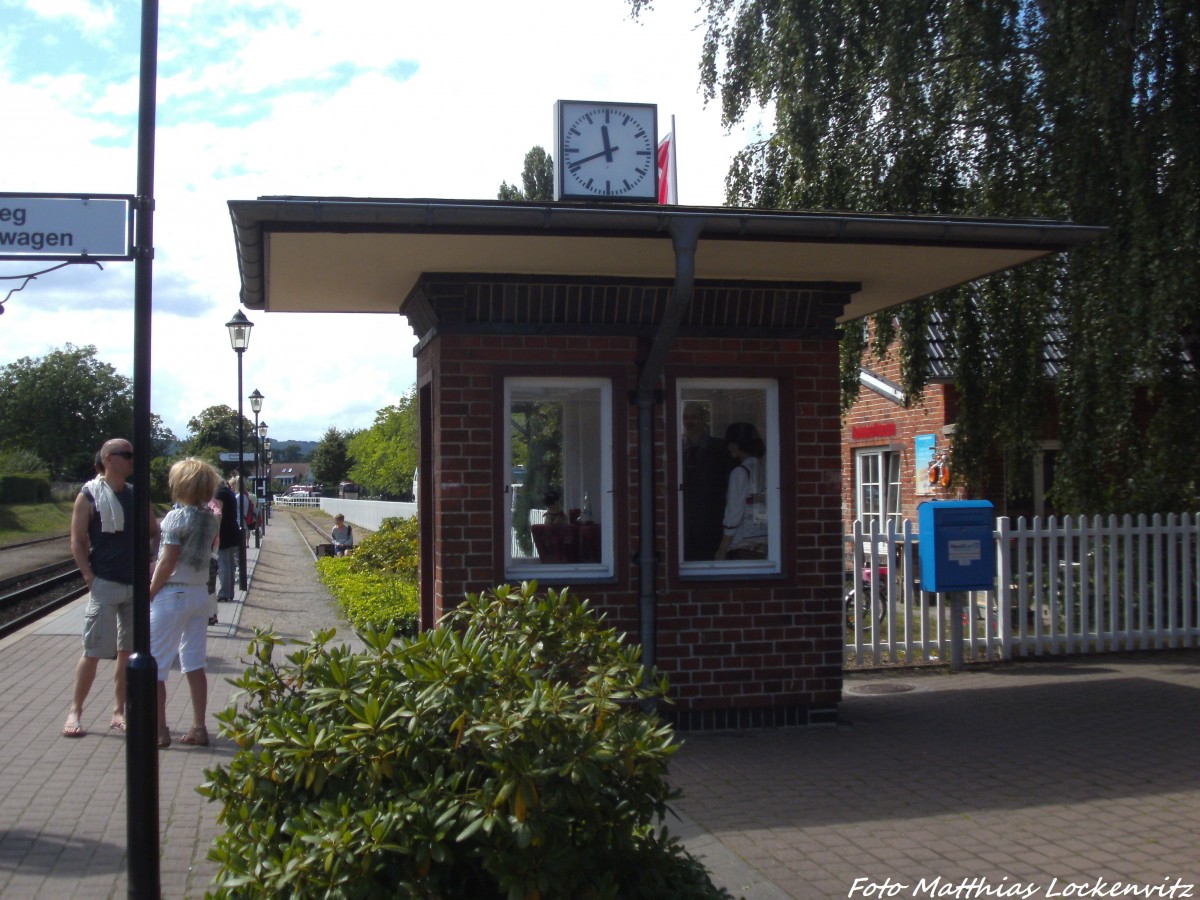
(685, 235)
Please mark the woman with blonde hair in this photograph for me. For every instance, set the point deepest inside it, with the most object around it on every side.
(179, 591)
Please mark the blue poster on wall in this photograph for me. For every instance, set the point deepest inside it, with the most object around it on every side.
(926, 444)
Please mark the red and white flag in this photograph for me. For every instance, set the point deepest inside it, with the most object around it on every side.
(668, 180)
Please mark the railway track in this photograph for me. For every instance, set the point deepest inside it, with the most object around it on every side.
(36, 578)
(39, 594)
(312, 531)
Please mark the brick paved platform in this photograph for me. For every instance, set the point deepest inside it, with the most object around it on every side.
(1042, 775)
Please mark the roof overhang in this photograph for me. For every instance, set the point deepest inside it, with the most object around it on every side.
(330, 254)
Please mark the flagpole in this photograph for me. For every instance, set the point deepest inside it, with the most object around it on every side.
(674, 160)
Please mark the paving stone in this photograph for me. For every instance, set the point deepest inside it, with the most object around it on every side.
(1059, 768)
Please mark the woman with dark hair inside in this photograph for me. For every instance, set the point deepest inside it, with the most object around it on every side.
(744, 527)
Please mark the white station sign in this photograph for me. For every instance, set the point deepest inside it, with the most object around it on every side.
(56, 226)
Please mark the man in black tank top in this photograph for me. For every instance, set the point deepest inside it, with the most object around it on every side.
(102, 545)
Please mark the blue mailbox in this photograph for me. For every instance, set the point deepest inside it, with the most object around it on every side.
(957, 546)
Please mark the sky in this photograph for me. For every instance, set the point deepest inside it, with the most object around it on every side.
(360, 98)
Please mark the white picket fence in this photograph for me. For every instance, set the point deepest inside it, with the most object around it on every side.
(1070, 586)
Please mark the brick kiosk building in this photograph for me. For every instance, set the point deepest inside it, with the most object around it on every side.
(579, 367)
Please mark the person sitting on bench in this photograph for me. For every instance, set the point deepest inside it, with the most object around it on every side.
(342, 535)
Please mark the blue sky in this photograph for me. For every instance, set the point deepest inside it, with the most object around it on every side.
(368, 98)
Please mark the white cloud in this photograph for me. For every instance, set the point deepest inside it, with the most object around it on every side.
(359, 98)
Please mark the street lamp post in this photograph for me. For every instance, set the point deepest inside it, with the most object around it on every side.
(256, 400)
(267, 480)
(264, 497)
(239, 338)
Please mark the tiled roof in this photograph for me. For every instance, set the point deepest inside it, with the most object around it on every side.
(941, 351)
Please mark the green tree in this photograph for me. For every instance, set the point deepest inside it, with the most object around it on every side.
(62, 407)
(1087, 110)
(162, 438)
(331, 459)
(537, 179)
(537, 446)
(385, 455)
(217, 426)
(288, 453)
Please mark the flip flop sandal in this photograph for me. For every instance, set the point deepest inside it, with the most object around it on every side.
(164, 740)
(73, 730)
(197, 736)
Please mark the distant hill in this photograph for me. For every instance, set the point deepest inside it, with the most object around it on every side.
(279, 446)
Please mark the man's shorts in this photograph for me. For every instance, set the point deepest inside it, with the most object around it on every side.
(108, 619)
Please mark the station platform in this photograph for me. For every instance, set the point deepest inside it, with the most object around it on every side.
(1033, 779)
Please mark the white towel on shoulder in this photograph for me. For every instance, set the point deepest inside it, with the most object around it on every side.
(112, 514)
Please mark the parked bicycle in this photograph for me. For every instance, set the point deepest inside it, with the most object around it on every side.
(858, 599)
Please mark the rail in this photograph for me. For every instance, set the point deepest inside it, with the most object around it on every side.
(40, 593)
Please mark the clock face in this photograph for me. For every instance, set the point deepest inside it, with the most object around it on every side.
(608, 150)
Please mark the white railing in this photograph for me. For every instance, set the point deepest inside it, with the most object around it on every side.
(292, 500)
(1069, 586)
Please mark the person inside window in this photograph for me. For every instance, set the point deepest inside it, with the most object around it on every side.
(554, 511)
(744, 527)
(342, 536)
(706, 465)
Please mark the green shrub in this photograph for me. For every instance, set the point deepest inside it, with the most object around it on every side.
(374, 600)
(504, 754)
(24, 489)
(392, 548)
(23, 462)
(376, 587)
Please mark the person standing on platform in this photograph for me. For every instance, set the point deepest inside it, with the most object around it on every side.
(102, 546)
(227, 545)
(178, 594)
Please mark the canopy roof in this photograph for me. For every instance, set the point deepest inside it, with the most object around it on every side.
(338, 254)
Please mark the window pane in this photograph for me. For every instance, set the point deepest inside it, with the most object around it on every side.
(559, 456)
(729, 476)
(893, 489)
(871, 488)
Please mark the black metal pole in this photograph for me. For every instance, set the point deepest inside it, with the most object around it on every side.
(257, 454)
(242, 506)
(141, 672)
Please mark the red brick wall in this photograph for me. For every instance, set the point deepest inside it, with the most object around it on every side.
(872, 410)
(739, 651)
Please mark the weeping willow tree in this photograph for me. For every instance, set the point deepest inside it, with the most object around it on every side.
(1076, 109)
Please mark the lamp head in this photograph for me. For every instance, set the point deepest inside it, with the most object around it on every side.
(239, 331)
(256, 400)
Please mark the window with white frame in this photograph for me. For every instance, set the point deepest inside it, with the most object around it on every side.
(877, 487)
(558, 456)
(728, 505)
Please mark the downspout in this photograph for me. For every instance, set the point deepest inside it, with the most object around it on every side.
(685, 235)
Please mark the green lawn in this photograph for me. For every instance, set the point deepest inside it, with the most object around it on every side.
(29, 521)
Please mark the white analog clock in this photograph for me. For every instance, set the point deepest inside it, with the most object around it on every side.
(606, 151)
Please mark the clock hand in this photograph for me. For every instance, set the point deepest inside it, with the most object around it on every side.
(608, 149)
(607, 154)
